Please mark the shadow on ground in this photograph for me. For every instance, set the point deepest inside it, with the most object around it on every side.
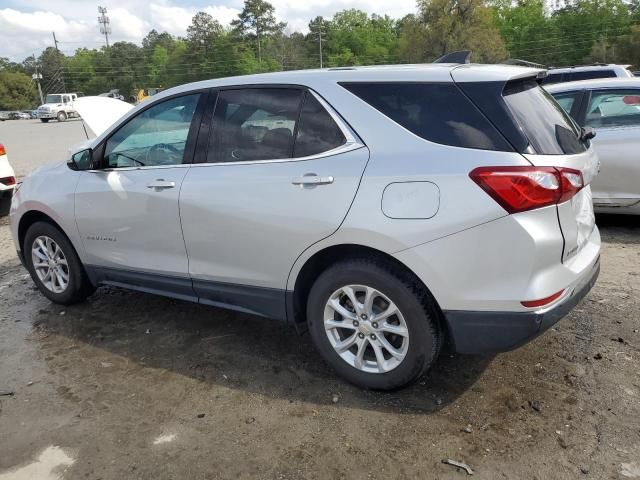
(237, 350)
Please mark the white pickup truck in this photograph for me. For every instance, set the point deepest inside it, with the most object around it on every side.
(59, 106)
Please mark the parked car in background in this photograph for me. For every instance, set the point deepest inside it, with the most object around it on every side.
(18, 116)
(58, 106)
(612, 107)
(586, 72)
(384, 209)
(7, 181)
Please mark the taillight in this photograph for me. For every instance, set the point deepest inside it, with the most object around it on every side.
(2, 150)
(8, 181)
(518, 189)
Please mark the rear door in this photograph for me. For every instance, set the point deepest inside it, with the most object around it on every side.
(615, 114)
(280, 174)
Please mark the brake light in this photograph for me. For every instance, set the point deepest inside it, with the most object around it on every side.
(543, 301)
(8, 181)
(2, 150)
(518, 189)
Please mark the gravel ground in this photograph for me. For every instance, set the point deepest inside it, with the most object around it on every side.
(129, 385)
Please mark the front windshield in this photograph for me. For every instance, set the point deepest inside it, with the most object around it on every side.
(53, 99)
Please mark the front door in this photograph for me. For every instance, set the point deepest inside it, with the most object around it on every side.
(615, 114)
(127, 210)
(280, 175)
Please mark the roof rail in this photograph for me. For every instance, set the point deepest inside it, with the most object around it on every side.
(523, 63)
(461, 56)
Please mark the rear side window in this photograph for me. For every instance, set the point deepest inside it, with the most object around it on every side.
(317, 132)
(440, 113)
(547, 126)
(614, 108)
(566, 100)
(589, 74)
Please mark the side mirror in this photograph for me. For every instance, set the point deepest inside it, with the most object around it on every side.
(81, 160)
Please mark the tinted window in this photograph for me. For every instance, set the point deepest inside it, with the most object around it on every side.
(614, 108)
(317, 132)
(552, 78)
(436, 112)
(548, 127)
(254, 124)
(589, 74)
(157, 136)
(566, 100)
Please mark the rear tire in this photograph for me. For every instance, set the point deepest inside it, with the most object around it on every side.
(44, 120)
(58, 273)
(61, 116)
(378, 357)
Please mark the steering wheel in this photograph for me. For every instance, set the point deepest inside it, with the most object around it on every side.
(169, 152)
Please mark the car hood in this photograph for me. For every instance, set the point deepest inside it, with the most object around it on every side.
(99, 113)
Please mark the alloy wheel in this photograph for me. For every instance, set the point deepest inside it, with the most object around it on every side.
(50, 264)
(366, 329)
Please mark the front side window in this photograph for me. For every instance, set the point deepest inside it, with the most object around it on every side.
(254, 124)
(614, 108)
(547, 126)
(438, 112)
(155, 137)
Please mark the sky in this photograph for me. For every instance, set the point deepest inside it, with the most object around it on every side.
(26, 25)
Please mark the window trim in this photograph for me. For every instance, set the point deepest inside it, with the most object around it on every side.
(190, 145)
(353, 142)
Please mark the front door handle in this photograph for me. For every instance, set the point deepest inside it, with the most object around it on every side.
(311, 179)
(161, 184)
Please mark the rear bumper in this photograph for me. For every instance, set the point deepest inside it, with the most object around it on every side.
(477, 332)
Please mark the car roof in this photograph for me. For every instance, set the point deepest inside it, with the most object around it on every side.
(619, 82)
(431, 72)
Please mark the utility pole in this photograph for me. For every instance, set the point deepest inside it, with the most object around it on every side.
(37, 77)
(105, 25)
(55, 41)
(320, 42)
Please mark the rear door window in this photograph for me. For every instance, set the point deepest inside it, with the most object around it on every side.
(548, 127)
(253, 124)
(589, 74)
(614, 108)
(438, 112)
(317, 131)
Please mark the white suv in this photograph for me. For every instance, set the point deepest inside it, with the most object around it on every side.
(383, 209)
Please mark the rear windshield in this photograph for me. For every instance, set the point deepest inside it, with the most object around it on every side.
(438, 112)
(549, 129)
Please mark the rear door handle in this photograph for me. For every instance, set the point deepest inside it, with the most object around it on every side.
(312, 179)
(161, 184)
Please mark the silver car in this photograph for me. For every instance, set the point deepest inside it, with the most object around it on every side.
(612, 107)
(382, 209)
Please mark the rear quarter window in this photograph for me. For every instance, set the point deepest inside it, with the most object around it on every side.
(437, 112)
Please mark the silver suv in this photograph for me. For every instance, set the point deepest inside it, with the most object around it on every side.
(383, 209)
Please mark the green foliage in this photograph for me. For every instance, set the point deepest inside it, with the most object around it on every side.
(17, 91)
(495, 30)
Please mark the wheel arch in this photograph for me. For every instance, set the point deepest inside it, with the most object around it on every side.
(31, 217)
(296, 300)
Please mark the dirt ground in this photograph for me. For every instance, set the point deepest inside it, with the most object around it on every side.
(133, 386)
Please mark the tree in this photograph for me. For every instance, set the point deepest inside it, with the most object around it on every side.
(257, 20)
(17, 91)
(203, 31)
(628, 47)
(460, 25)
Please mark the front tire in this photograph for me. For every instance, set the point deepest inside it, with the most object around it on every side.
(373, 323)
(54, 265)
(44, 120)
